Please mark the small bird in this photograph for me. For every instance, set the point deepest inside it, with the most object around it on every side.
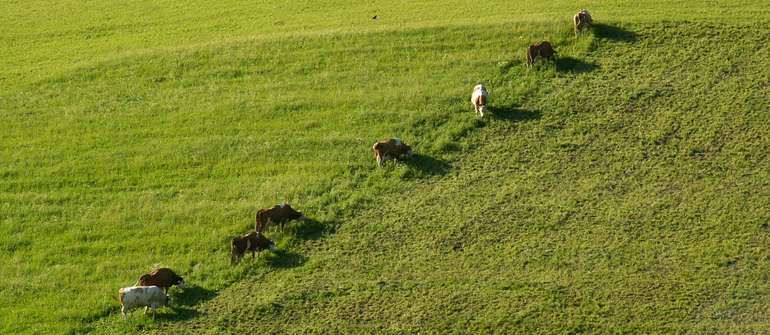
(374, 17)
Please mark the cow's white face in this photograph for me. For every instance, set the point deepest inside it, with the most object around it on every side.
(479, 87)
(181, 284)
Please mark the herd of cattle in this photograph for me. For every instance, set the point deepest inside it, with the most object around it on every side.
(151, 290)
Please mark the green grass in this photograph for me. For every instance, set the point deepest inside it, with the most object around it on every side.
(622, 189)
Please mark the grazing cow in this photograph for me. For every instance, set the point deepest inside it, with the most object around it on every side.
(390, 149)
(142, 296)
(253, 241)
(163, 278)
(279, 214)
(542, 49)
(582, 20)
(479, 99)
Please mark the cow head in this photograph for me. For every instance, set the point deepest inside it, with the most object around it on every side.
(295, 214)
(264, 241)
(179, 282)
(236, 250)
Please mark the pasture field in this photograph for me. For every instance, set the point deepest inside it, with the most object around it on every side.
(623, 188)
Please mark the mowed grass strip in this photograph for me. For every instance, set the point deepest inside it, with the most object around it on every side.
(626, 193)
(118, 167)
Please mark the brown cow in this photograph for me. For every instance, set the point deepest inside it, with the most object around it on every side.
(162, 277)
(582, 20)
(542, 49)
(279, 214)
(390, 149)
(253, 241)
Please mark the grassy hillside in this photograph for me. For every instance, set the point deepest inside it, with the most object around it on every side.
(623, 188)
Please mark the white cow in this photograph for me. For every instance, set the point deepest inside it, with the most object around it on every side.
(142, 296)
(479, 99)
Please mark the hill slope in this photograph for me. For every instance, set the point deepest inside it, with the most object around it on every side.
(624, 187)
(626, 190)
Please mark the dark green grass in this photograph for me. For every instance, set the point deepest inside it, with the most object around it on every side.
(622, 188)
(115, 168)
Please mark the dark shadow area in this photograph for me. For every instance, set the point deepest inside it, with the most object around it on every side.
(284, 259)
(191, 295)
(514, 114)
(574, 65)
(427, 164)
(614, 33)
(309, 229)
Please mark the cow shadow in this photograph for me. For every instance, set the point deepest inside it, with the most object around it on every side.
(183, 300)
(573, 65)
(284, 259)
(614, 33)
(428, 165)
(309, 229)
(513, 114)
(192, 295)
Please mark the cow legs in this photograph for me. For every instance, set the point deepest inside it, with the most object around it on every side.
(379, 160)
(123, 311)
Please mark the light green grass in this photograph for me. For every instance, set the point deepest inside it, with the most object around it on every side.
(624, 188)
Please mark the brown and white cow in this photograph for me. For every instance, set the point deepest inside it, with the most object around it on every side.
(253, 241)
(582, 20)
(389, 150)
(543, 49)
(142, 296)
(479, 99)
(162, 277)
(278, 214)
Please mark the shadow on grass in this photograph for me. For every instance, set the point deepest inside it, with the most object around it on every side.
(513, 114)
(284, 259)
(574, 65)
(427, 165)
(614, 33)
(192, 295)
(309, 229)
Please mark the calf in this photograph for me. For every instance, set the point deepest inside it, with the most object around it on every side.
(542, 49)
(479, 99)
(278, 214)
(142, 296)
(163, 278)
(390, 149)
(253, 241)
(582, 20)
